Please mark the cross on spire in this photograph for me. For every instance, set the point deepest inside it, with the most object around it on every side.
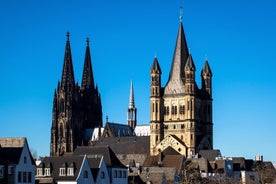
(180, 13)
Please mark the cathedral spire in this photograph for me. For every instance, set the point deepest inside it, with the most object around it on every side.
(87, 76)
(131, 96)
(131, 111)
(67, 72)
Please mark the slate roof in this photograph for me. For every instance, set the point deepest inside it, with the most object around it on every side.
(210, 155)
(110, 158)
(11, 149)
(118, 130)
(131, 145)
(11, 155)
(55, 163)
(94, 163)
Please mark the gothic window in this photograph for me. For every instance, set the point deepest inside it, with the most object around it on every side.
(152, 107)
(182, 109)
(166, 110)
(156, 106)
(156, 138)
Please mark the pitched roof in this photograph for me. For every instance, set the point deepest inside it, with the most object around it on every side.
(13, 142)
(11, 155)
(110, 158)
(131, 144)
(118, 130)
(210, 155)
(59, 162)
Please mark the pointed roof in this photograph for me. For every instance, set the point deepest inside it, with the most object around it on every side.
(131, 96)
(155, 68)
(176, 78)
(180, 55)
(206, 69)
(87, 76)
(67, 72)
(190, 65)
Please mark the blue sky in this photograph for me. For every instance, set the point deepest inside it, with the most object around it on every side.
(237, 36)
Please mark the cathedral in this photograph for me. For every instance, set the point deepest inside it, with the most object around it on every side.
(76, 109)
(180, 112)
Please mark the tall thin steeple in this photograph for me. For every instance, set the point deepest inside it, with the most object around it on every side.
(87, 76)
(67, 72)
(131, 111)
(131, 96)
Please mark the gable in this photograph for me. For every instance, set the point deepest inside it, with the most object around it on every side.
(173, 142)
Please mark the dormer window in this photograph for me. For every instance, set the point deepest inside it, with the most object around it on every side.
(70, 171)
(62, 171)
(39, 172)
(47, 172)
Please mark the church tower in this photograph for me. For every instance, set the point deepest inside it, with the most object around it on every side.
(156, 106)
(131, 110)
(75, 109)
(181, 113)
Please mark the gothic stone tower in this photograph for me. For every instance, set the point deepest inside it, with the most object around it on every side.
(75, 108)
(180, 112)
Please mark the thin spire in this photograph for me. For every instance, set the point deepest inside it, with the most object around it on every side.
(67, 72)
(87, 75)
(131, 96)
(180, 13)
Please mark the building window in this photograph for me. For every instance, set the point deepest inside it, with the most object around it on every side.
(24, 177)
(156, 107)
(85, 174)
(11, 170)
(124, 174)
(1, 171)
(70, 171)
(39, 172)
(19, 177)
(62, 172)
(174, 110)
(120, 174)
(25, 160)
(47, 172)
(102, 175)
(30, 177)
(152, 107)
(115, 174)
(182, 109)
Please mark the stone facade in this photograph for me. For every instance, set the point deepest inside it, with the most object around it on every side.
(75, 108)
(180, 112)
